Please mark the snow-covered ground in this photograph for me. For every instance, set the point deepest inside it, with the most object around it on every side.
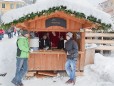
(101, 73)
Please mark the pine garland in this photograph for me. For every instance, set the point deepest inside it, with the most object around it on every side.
(59, 8)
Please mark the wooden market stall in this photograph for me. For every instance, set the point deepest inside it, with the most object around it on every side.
(54, 60)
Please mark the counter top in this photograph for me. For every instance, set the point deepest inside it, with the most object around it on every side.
(55, 51)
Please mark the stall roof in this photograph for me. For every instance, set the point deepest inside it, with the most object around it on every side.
(75, 5)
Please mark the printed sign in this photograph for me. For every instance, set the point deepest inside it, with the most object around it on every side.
(55, 21)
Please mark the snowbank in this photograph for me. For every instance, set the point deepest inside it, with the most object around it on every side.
(104, 66)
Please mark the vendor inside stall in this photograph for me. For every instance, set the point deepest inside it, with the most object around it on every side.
(45, 42)
(50, 40)
(61, 43)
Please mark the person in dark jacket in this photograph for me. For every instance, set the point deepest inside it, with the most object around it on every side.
(9, 32)
(12, 30)
(71, 49)
(61, 43)
(45, 43)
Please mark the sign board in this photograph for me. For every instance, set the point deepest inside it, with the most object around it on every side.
(55, 21)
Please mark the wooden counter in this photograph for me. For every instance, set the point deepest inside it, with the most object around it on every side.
(47, 60)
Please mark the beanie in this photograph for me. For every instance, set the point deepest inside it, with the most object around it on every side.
(69, 34)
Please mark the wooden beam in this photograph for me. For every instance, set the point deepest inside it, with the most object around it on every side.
(99, 35)
(105, 48)
(50, 29)
(99, 41)
(88, 24)
(21, 25)
(29, 74)
(40, 76)
(47, 73)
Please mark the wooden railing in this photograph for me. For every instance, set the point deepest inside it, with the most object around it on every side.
(105, 40)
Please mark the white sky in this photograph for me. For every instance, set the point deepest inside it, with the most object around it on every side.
(95, 2)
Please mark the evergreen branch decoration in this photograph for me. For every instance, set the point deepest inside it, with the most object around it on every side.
(58, 8)
(92, 18)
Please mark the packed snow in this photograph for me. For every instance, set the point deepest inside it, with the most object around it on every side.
(75, 5)
(101, 73)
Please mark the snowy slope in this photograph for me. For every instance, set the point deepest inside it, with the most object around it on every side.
(75, 5)
(94, 75)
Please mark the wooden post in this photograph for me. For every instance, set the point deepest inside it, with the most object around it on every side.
(82, 55)
(78, 42)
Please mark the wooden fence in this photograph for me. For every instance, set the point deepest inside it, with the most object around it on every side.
(104, 40)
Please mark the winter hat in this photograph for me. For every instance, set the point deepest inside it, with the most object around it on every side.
(23, 32)
(69, 34)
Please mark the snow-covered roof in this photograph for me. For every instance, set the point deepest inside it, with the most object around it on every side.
(12, 0)
(75, 5)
